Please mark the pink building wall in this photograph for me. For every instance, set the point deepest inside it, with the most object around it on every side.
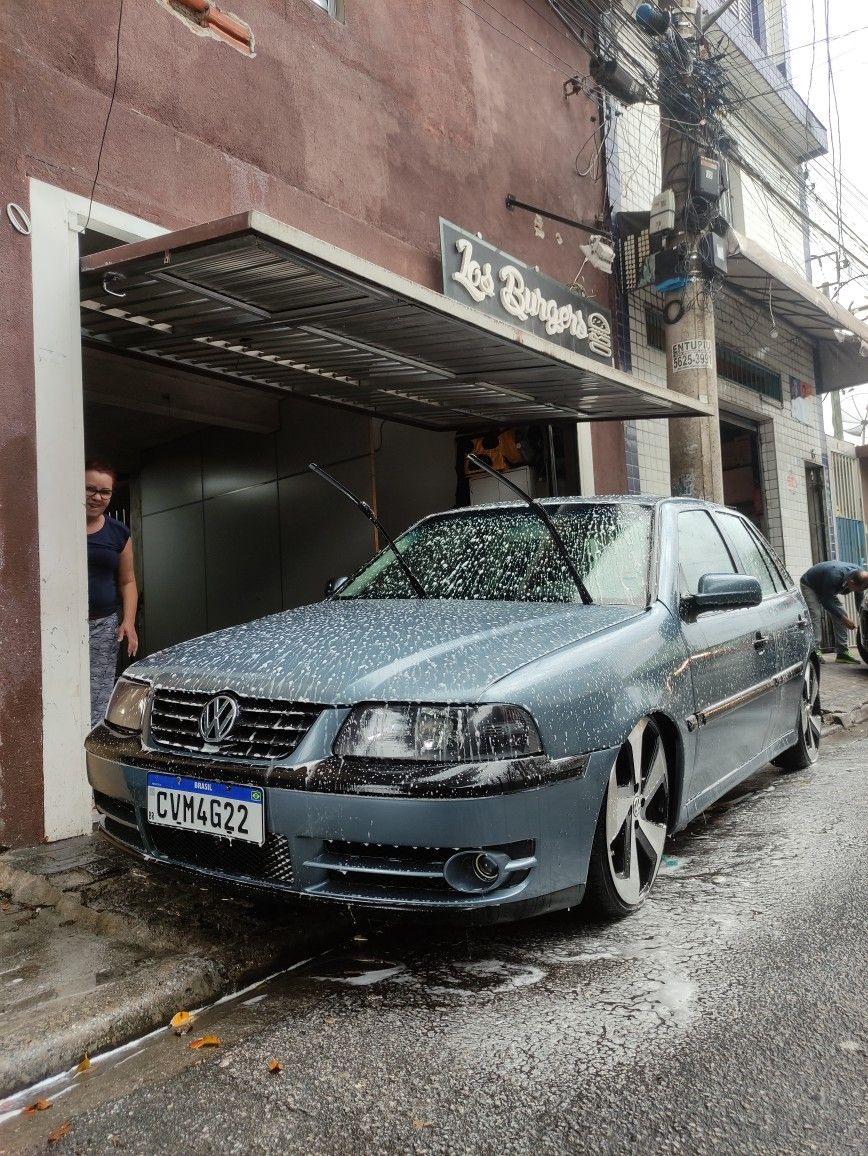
(361, 132)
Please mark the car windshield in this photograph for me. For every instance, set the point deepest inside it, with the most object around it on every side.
(507, 554)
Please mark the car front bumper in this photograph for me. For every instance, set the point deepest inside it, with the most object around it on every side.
(371, 836)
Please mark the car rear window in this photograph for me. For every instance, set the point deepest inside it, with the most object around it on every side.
(508, 555)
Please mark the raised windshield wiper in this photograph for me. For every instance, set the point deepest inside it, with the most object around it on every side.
(543, 516)
(372, 517)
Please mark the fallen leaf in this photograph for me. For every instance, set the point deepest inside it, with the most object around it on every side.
(37, 1106)
(204, 1042)
(181, 1022)
(275, 1066)
(329, 1020)
(420, 1124)
(83, 1066)
(59, 1132)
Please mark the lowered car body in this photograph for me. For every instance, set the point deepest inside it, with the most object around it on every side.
(499, 746)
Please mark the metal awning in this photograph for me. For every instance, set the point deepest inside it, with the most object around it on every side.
(756, 274)
(252, 300)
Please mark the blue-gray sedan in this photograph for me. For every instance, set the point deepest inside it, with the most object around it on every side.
(510, 719)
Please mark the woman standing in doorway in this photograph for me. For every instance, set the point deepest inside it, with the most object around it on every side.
(110, 579)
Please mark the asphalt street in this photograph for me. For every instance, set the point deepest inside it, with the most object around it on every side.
(728, 1016)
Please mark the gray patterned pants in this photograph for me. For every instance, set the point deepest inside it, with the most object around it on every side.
(842, 638)
(103, 661)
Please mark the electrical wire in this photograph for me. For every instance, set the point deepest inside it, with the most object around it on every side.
(565, 71)
(109, 113)
(610, 27)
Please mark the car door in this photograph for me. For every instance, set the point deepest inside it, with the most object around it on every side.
(787, 618)
(733, 664)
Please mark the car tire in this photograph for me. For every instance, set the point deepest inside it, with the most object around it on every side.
(806, 749)
(632, 825)
(862, 647)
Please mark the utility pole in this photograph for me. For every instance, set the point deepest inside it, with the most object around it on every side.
(691, 363)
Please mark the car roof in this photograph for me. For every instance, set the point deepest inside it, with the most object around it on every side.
(643, 500)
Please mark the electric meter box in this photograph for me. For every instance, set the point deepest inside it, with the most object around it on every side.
(712, 252)
(662, 219)
(707, 179)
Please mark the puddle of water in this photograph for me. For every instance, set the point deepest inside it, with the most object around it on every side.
(508, 975)
(53, 1087)
(672, 864)
(62, 1083)
(676, 994)
(355, 977)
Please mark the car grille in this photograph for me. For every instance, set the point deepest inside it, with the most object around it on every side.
(265, 728)
(269, 863)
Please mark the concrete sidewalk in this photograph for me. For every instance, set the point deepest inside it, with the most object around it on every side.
(843, 694)
(96, 949)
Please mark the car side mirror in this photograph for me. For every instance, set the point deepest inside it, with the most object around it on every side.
(334, 585)
(724, 592)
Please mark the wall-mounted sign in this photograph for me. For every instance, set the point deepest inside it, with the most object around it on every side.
(695, 354)
(802, 401)
(477, 274)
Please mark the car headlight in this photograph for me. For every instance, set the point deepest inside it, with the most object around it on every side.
(437, 734)
(126, 708)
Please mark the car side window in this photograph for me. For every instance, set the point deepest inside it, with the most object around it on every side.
(779, 571)
(701, 549)
(748, 551)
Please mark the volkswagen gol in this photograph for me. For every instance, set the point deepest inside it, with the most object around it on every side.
(507, 720)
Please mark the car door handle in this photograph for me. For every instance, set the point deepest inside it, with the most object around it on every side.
(801, 622)
(760, 642)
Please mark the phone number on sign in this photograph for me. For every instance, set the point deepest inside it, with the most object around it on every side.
(691, 355)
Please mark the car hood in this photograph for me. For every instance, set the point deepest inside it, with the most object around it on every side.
(341, 652)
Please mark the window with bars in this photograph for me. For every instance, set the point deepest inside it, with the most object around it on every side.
(730, 364)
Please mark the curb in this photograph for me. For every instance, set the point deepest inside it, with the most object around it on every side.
(36, 891)
(138, 1003)
(835, 720)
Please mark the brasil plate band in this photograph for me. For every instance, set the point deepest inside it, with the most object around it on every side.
(230, 810)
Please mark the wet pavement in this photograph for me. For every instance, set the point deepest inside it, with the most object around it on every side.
(843, 693)
(96, 949)
(729, 1015)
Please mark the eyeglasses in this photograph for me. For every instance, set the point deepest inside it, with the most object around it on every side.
(96, 492)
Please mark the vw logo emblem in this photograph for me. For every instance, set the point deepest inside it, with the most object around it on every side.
(218, 717)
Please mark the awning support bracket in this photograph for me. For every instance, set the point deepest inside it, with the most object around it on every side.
(512, 203)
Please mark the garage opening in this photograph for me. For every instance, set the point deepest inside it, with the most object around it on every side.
(229, 525)
(221, 360)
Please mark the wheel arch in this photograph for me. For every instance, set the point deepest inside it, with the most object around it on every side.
(815, 663)
(674, 748)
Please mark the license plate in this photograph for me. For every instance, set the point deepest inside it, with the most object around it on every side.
(235, 812)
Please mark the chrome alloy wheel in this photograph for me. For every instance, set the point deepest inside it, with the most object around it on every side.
(809, 717)
(637, 809)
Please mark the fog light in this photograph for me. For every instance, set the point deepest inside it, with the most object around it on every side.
(485, 868)
(475, 872)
